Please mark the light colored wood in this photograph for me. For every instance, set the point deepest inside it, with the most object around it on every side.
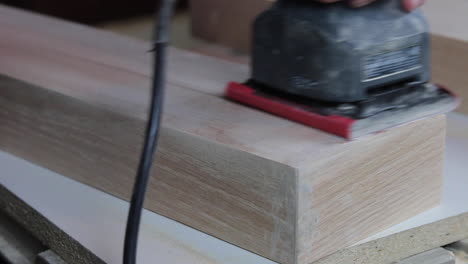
(279, 189)
(94, 153)
(100, 148)
(166, 241)
(354, 175)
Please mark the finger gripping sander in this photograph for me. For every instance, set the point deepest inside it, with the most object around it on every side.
(343, 70)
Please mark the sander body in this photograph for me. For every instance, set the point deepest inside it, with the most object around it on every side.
(343, 70)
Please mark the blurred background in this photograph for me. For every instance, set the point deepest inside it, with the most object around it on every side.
(218, 27)
(89, 11)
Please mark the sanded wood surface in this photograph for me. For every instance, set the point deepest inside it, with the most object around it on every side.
(282, 190)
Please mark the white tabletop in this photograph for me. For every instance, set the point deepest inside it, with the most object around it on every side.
(97, 220)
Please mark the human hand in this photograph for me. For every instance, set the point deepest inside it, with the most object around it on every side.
(409, 5)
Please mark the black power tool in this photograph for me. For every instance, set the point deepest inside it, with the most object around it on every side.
(344, 70)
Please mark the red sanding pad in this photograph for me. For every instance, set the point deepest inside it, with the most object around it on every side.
(339, 125)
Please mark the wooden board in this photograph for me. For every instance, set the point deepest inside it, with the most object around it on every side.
(102, 218)
(165, 241)
(279, 189)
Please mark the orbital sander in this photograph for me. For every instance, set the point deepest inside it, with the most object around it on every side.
(346, 71)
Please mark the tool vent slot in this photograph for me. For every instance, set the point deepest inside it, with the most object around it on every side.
(382, 65)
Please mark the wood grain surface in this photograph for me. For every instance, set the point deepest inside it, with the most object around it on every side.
(282, 190)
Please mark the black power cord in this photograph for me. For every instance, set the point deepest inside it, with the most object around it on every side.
(162, 29)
